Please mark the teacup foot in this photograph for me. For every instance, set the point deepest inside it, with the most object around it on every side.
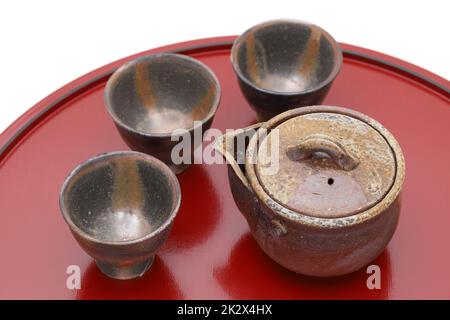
(125, 273)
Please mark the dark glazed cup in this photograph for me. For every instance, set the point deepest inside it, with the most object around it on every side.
(151, 97)
(285, 64)
(120, 207)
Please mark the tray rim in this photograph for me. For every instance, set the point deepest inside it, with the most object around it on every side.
(14, 133)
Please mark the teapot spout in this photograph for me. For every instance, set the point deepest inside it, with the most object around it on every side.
(232, 146)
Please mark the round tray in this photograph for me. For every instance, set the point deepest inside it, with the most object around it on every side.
(210, 252)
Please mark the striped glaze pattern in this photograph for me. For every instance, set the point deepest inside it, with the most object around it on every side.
(160, 93)
(120, 207)
(285, 64)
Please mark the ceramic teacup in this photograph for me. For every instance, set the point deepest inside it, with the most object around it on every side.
(120, 207)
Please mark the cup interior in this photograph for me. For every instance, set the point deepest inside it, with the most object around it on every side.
(120, 197)
(160, 93)
(286, 56)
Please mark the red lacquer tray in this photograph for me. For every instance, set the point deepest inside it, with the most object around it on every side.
(210, 253)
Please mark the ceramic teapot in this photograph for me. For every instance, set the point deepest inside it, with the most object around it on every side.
(319, 187)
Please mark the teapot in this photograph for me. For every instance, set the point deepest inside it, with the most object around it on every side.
(319, 187)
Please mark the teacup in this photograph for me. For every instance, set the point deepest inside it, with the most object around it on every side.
(120, 207)
(285, 64)
(158, 100)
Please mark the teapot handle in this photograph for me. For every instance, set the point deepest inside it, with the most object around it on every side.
(315, 145)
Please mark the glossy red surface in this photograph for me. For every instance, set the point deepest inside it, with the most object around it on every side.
(210, 253)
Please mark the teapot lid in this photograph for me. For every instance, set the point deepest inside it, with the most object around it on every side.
(325, 164)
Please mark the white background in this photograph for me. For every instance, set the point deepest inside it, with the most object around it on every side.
(45, 44)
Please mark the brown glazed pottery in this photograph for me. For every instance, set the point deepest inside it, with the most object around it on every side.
(158, 100)
(319, 187)
(285, 64)
(120, 207)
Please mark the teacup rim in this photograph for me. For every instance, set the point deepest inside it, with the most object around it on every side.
(147, 158)
(336, 67)
(127, 65)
